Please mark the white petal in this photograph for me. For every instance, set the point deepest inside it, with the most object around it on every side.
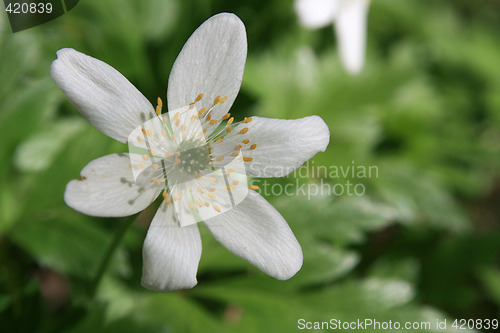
(105, 97)
(282, 145)
(316, 13)
(210, 63)
(350, 28)
(256, 232)
(107, 188)
(171, 253)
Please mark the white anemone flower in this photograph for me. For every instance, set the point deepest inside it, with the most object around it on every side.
(203, 85)
(350, 18)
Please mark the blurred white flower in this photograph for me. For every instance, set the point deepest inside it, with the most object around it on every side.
(197, 137)
(350, 18)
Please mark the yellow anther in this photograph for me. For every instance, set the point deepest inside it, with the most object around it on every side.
(207, 204)
(198, 203)
(160, 102)
(226, 116)
(140, 139)
(204, 131)
(191, 206)
(219, 158)
(208, 117)
(198, 98)
(178, 153)
(229, 129)
(152, 180)
(176, 115)
(177, 161)
(247, 159)
(247, 120)
(165, 119)
(165, 194)
(163, 133)
(223, 100)
(159, 181)
(213, 121)
(243, 131)
(212, 179)
(168, 201)
(252, 147)
(146, 157)
(253, 187)
(142, 166)
(212, 195)
(143, 131)
(200, 190)
(202, 111)
(169, 154)
(219, 139)
(158, 110)
(230, 121)
(246, 141)
(150, 132)
(230, 188)
(237, 147)
(177, 122)
(216, 100)
(234, 154)
(212, 189)
(155, 166)
(152, 152)
(235, 182)
(217, 208)
(184, 128)
(177, 197)
(231, 170)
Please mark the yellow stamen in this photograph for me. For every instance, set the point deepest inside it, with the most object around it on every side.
(247, 159)
(146, 157)
(217, 208)
(216, 100)
(198, 98)
(247, 120)
(253, 187)
(219, 158)
(155, 166)
(213, 121)
(230, 121)
(246, 141)
(223, 100)
(252, 147)
(177, 196)
(202, 111)
(198, 203)
(227, 115)
(243, 131)
(212, 195)
(191, 206)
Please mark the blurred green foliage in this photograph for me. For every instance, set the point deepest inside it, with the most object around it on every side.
(422, 243)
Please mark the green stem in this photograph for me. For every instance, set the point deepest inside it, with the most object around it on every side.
(120, 232)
